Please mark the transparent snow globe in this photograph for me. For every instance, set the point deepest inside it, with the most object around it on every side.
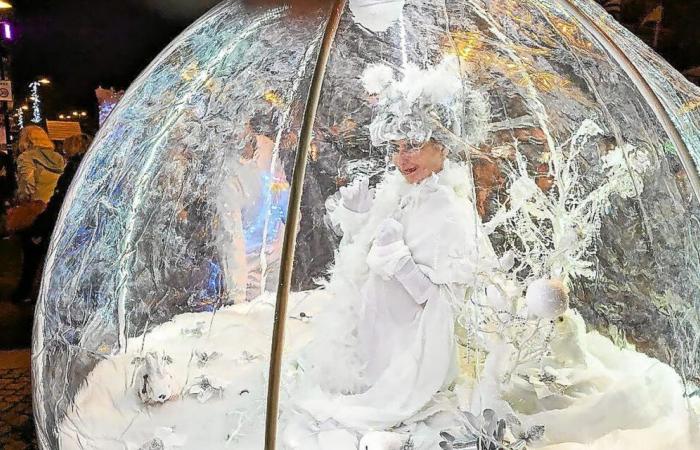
(401, 224)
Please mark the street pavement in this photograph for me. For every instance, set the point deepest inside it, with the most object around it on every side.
(15, 318)
(16, 420)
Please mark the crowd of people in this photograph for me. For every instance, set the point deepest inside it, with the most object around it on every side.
(35, 175)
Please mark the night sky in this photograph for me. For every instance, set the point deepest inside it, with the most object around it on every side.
(80, 44)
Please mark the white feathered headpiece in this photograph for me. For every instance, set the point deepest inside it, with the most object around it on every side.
(424, 104)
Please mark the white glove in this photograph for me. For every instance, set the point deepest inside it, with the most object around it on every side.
(357, 196)
(416, 283)
(389, 231)
(389, 252)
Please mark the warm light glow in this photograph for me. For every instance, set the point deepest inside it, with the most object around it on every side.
(25, 107)
(61, 116)
(43, 80)
(83, 114)
(689, 106)
(273, 98)
(5, 5)
(75, 113)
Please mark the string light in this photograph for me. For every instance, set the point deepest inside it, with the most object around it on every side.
(20, 117)
(73, 115)
(36, 101)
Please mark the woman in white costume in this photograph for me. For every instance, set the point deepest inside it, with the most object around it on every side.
(408, 254)
(415, 239)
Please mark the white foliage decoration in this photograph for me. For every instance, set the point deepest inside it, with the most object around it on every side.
(550, 234)
(556, 230)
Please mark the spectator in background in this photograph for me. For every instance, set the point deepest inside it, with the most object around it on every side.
(39, 168)
(264, 217)
(74, 149)
(7, 177)
(8, 184)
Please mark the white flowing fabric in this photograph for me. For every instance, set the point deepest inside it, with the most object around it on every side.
(598, 396)
(405, 349)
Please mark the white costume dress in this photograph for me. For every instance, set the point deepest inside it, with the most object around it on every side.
(403, 321)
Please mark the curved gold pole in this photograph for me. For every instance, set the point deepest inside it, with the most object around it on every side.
(644, 88)
(290, 231)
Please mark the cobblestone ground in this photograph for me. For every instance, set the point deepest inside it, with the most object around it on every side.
(16, 421)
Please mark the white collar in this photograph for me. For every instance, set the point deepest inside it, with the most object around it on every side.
(456, 176)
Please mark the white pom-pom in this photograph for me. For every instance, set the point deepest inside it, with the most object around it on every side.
(376, 77)
(376, 16)
(443, 84)
(507, 261)
(547, 298)
(522, 190)
(381, 440)
(495, 297)
(413, 83)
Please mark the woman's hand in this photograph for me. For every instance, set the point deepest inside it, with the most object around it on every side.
(357, 197)
(389, 252)
(390, 230)
(389, 257)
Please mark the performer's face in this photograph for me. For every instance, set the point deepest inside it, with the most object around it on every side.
(416, 162)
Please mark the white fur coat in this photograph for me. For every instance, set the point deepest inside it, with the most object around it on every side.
(385, 356)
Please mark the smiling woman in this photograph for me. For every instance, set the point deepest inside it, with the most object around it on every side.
(417, 161)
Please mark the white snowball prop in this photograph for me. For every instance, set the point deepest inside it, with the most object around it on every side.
(547, 298)
(507, 261)
(376, 16)
(381, 440)
(153, 381)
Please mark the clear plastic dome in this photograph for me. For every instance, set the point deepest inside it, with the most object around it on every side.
(382, 225)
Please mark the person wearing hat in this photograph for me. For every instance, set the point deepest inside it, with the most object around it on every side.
(407, 256)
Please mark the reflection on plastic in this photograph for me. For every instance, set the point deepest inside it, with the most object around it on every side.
(496, 246)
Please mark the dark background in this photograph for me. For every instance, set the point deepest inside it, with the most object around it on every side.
(679, 39)
(81, 44)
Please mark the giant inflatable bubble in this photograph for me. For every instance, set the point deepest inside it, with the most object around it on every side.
(401, 224)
